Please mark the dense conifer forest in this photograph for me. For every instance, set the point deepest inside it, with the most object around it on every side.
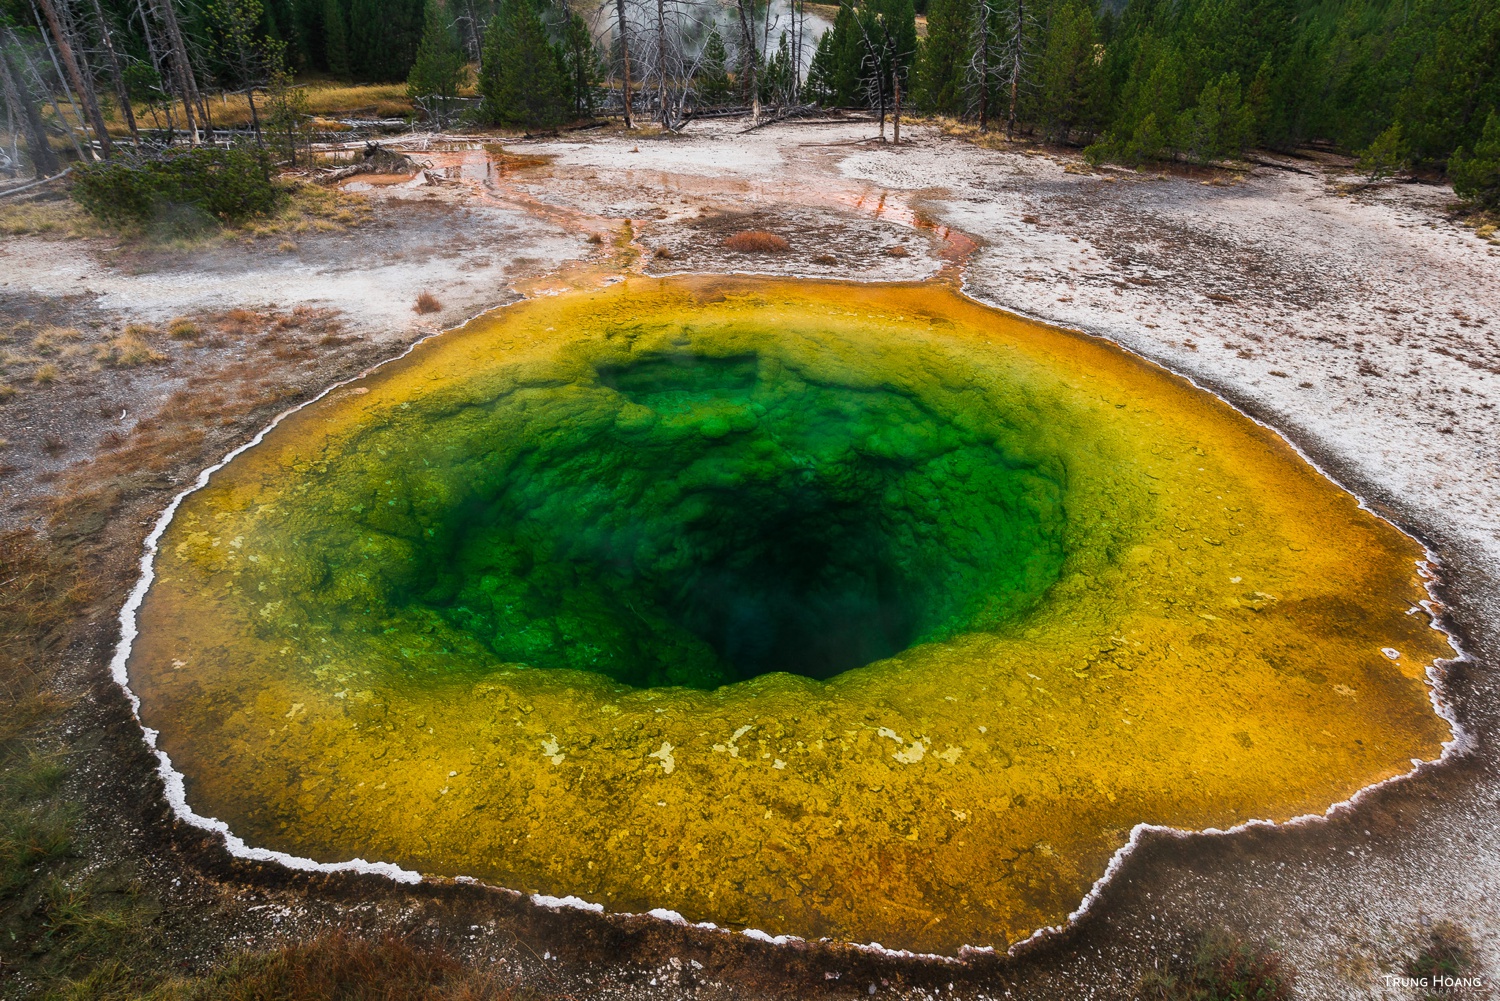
(1406, 84)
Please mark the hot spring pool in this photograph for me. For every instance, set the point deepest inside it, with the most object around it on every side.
(824, 609)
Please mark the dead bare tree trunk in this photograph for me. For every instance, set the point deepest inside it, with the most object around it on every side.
(116, 75)
(474, 41)
(661, 64)
(159, 64)
(182, 66)
(57, 70)
(896, 96)
(18, 96)
(254, 116)
(71, 66)
(982, 57)
(624, 29)
(799, 25)
(749, 59)
(765, 48)
(1015, 68)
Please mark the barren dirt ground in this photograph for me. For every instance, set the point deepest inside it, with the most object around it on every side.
(1361, 322)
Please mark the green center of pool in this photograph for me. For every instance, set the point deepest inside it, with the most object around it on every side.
(696, 520)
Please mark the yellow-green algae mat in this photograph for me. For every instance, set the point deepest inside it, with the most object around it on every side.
(525, 606)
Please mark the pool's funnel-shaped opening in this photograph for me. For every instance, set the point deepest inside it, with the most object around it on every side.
(733, 518)
(494, 611)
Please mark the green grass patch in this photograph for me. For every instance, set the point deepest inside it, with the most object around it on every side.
(1221, 967)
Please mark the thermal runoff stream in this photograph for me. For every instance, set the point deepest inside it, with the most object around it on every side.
(832, 610)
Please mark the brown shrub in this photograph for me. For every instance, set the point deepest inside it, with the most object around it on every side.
(240, 322)
(427, 303)
(757, 241)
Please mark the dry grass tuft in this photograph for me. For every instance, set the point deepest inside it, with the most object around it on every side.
(182, 329)
(826, 259)
(664, 254)
(427, 303)
(46, 375)
(46, 215)
(53, 340)
(6, 391)
(310, 208)
(595, 239)
(127, 350)
(757, 241)
(897, 251)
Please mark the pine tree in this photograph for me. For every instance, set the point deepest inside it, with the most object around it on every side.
(1070, 73)
(837, 74)
(523, 82)
(1152, 102)
(1476, 176)
(1455, 78)
(820, 88)
(938, 82)
(711, 83)
(440, 67)
(892, 25)
(383, 38)
(581, 61)
(1386, 155)
(336, 38)
(776, 82)
(1218, 126)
